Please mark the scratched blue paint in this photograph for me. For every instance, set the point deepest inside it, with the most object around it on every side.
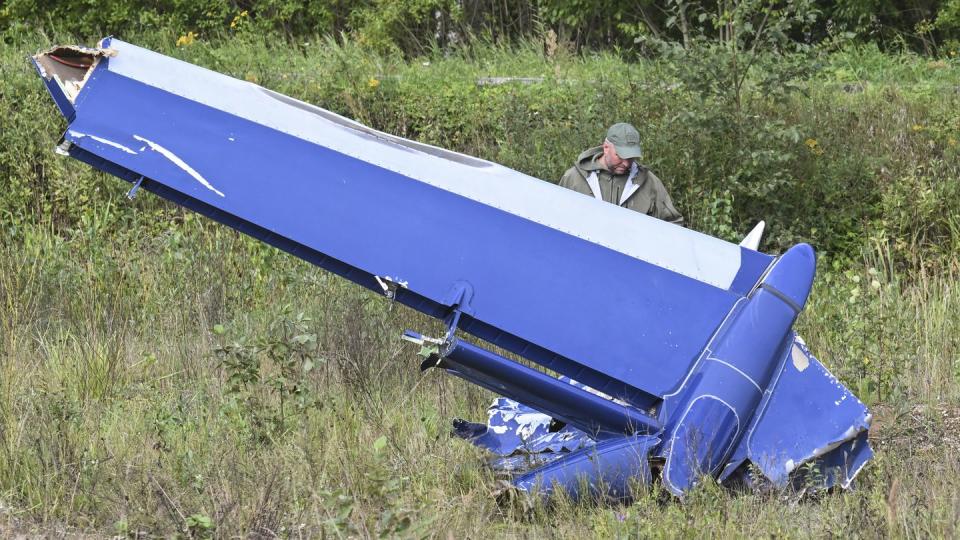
(682, 343)
(514, 428)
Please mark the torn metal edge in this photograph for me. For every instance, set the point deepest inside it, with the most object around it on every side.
(70, 85)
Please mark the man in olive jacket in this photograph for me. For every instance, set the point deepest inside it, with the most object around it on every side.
(610, 173)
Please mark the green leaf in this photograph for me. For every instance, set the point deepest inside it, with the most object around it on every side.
(380, 444)
(200, 523)
(428, 350)
(304, 338)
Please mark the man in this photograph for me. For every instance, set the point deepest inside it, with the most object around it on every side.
(610, 173)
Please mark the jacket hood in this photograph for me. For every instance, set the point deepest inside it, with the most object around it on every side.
(587, 161)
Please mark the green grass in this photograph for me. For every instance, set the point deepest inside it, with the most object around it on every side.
(115, 408)
(162, 375)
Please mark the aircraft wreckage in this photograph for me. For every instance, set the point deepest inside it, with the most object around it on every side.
(673, 352)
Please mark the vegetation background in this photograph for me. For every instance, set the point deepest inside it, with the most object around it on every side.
(162, 375)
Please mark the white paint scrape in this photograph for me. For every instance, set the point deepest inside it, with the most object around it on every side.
(175, 159)
(530, 422)
(101, 140)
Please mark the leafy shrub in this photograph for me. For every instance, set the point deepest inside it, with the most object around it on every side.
(268, 381)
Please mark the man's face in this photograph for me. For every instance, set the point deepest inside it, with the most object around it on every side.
(614, 163)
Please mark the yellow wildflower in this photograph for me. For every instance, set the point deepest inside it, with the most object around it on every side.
(951, 141)
(373, 83)
(238, 19)
(917, 127)
(814, 146)
(186, 39)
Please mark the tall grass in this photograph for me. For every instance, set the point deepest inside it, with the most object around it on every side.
(161, 375)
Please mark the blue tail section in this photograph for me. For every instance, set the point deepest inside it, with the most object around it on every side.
(678, 341)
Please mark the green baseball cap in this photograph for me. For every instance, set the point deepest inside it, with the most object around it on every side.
(625, 139)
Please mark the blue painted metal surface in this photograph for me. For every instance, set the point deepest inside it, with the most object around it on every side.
(513, 428)
(806, 416)
(709, 412)
(667, 344)
(609, 469)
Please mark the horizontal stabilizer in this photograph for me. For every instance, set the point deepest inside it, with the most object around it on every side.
(618, 300)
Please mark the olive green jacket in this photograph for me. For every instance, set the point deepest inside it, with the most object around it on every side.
(639, 190)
